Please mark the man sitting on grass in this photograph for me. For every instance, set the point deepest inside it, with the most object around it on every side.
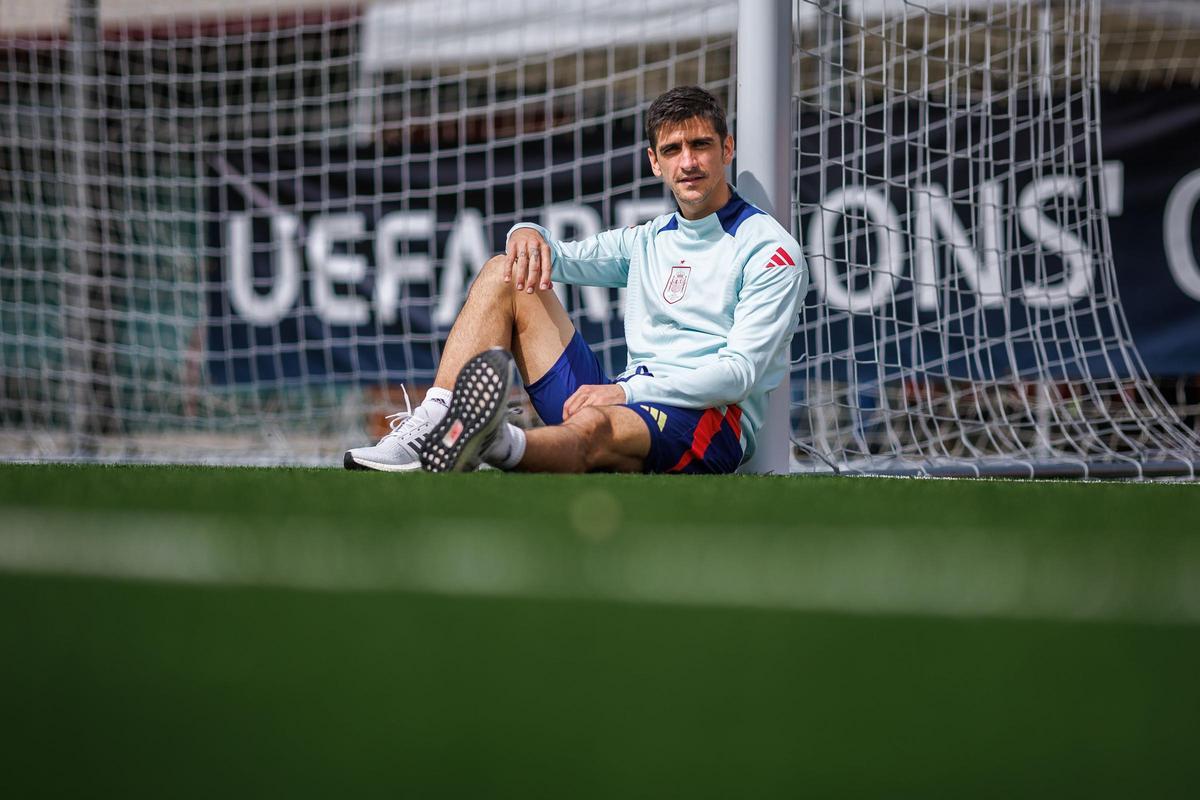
(711, 303)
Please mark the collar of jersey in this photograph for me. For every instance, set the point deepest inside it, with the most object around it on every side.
(728, 218)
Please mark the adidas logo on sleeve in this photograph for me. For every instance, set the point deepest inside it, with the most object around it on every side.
(780, 259)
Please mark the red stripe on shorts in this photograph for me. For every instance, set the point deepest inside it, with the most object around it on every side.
(706, 429)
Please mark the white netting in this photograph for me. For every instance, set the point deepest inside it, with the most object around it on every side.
(228, 232)
(953, 200)
(231, 234)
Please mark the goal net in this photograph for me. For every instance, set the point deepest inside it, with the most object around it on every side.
(235, 233)
(231, 233)
(953, 200)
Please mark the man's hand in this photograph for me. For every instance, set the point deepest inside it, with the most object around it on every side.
(527, 261)
(609, 394)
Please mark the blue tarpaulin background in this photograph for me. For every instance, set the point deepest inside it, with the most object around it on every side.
(1152, 135)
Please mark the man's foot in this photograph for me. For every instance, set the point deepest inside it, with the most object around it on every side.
(399, 450)
(477, 411)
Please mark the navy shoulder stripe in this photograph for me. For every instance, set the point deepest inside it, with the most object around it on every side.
(671, 225)
(735, 212)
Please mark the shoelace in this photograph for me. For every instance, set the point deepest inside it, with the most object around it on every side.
(398, 423)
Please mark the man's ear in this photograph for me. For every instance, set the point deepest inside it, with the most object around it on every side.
(727, 149)
(653, 162)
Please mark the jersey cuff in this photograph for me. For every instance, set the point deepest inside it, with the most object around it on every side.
(532, 226)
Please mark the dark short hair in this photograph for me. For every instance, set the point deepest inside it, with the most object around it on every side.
(681, 104)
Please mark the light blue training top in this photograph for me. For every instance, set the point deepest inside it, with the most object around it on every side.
(710, 306)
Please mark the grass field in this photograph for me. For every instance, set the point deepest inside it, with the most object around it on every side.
(210, 632)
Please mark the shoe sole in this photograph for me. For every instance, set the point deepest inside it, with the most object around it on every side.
(476, 411)
(352, 463)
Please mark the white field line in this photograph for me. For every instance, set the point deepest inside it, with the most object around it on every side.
(969, 573)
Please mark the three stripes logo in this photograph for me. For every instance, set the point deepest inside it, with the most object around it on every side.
(780, 259)
(658, 415)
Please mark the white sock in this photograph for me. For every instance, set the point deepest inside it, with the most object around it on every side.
(436, 403)
(508, 448)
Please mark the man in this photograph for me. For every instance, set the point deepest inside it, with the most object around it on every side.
(711, 302)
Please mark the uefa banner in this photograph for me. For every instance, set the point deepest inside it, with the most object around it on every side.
(341, 265)
(345, 265)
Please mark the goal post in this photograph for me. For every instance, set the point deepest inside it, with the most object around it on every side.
(764, 169)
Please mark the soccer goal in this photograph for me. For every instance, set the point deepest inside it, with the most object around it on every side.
(231, 235)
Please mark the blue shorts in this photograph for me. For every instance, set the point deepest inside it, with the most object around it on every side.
(681, 439)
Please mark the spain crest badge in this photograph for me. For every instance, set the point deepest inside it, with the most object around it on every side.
(677, 283)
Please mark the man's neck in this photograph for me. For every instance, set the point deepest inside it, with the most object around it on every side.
(716, 202)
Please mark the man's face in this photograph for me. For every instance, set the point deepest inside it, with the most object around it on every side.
(691, 160)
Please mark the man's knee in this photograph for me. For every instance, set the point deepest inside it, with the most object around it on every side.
(595, 431)
(491, 278)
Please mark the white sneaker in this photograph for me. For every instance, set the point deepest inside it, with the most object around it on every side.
(477, 410)
(400, 449)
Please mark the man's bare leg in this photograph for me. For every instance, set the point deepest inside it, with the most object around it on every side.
(534, 327)
(598, 438)
(595, 438)
(532, 324)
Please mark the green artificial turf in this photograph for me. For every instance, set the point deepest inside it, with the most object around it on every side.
(212, 632)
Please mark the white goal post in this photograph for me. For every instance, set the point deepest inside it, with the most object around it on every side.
(230, 232)
(765, 115)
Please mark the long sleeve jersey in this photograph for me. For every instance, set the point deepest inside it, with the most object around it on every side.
(710, 306)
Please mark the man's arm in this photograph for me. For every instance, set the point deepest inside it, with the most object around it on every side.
(763, 319)
(600, 260)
